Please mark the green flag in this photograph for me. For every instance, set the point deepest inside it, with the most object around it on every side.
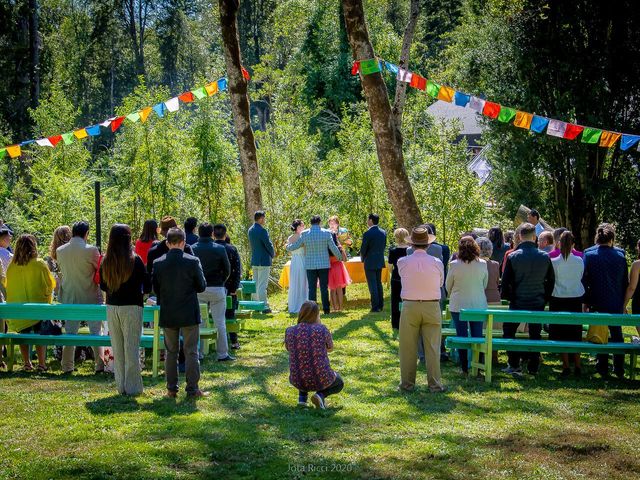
(199, 93)
(3, 152)
(367, 67)
(591, 135)
(506, 114)
(67, 137)
(133, 117)
(433, 88)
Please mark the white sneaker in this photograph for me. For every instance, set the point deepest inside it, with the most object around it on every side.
(635, 340)
(516, 372)
(317, 401)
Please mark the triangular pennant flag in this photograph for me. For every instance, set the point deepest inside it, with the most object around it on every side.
(609, 139)
(115, 124)
(44, 142)
(404, 75)
(144, 113)
(462, 99)
(506, 114)
(199, 93)
(27, 142)
(572, 131)
(491, 109)
(222, 84)
(67, 138)
(55, 139)
(370, 66)
(211, 88)
(355, 68)
(93, 130)
(133, 117)
(3, 152)
(556, 128)
(523, 119)
(14, 151)
(538, 124)
(245, 74)
(446, 94)
(591, 135)
(432, 88)
(476, 104)
(172, 104)
(159, 108)
(628, 141)
(80, 134)
(391, 67)
(105, 124)
(186, 97)
(418, 82)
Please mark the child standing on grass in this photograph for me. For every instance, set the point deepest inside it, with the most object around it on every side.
(308, 344)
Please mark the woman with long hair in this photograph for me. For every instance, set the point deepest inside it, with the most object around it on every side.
(500, 245)
(61, 236)
(147, 238)
(633, 292)
(399, 250)
(125, 280)
(298, 286)
(29, 281)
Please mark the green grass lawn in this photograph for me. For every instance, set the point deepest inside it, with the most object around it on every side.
(250, 427)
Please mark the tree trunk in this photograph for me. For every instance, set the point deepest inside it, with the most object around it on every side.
(387, 134)
(240, 107)
(34, 50)
(407, 40)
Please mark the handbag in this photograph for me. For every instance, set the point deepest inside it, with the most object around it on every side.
(96, 276)
(598, 334)
(51, 327)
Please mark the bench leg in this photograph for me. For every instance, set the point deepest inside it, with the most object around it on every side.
(488, 365)
(475, 360)
(155, 355)
(12, 356)
(632, 366)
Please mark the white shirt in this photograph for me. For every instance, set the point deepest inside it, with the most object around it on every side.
(568, 276)
(466, 283)
(5, 258)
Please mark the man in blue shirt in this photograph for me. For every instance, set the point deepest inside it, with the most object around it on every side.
(534, 219)
(605, 281)
(262, 253)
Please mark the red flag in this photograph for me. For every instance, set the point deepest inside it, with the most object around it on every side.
(355, 68)
(572, 131)
(491, 109)
(186, 97)
(116, 122)
(418, 82)
(55, 139)
(245, 74)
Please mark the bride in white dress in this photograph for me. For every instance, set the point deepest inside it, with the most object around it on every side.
(298, 286)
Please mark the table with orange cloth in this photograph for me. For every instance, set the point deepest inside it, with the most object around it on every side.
(354, 266)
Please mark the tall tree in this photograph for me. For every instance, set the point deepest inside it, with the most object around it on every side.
(136, 15)
(407, 40)
(240, 106)
(34, 50)
(387, 132)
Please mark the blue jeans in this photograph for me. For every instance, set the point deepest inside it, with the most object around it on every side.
(462, 330)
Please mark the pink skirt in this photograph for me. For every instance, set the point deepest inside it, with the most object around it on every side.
(338, 275)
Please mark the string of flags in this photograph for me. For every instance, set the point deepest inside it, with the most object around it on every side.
(114, 123)
(502, 113)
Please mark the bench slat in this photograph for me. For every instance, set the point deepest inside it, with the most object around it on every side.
(57, 311)
(546, 346)
(560, 318)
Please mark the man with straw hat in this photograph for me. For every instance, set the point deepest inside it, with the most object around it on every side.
(422, 278)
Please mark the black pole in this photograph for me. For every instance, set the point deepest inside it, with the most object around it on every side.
(98, 219)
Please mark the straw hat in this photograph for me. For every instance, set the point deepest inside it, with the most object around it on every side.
(420, 236)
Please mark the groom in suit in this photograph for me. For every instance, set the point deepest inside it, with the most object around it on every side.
(374, 242)
(317, 243)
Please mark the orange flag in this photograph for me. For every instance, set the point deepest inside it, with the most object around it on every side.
(609, 139)
(523, 120)
(80, 134)
(144, 113)
(211, 88)
(14, 151)
(186, 97)
(446, 94)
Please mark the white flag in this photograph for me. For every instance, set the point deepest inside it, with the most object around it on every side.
(556, 128)
(44, 142)
(476, 104)
(404, 75)
(172, 104)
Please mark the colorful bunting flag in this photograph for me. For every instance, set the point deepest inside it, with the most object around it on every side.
(222, 84)
(418, 82)
(245, 74)
(27, 142)
(106, 123)
(538, 124)
(199, 93)
(556, 128)
(391, 67)
(370, 66)
(446, 94)
(44, 142)
(572, 131)
(144, 113)
(80, 134)
(506, 114)
(133, 117)
(211, 88)
(628, 141)
(55, 139)
(186, 97)
(523, 120)
(14, 151)
(172, 104)
(67, 138)
(432, 88)
(591, 135)
(3, 152)
(491, 109)
(404, 75)
(159, 108)
(115, 124)
(609, 139)
(355, 68)
(476, 104)
(462, 99)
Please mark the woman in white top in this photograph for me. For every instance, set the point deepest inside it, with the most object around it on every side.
(298, 289)
(567, 297)
(466, 281)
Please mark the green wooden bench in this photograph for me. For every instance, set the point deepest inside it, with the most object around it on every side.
(248, 287)
(487, 343)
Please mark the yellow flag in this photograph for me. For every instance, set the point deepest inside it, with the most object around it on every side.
(14, 151)
(523, 120)
(80, 134)
(446, 94)
(609, 139)
(212, 88)
(144, 113)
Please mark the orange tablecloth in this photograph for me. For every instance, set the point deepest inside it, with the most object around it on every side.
(354, 266)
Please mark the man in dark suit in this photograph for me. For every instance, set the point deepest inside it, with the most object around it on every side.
(262, 253)
(446, 252)
(233, 282)
(160, 247)
(374, 243)
(177, 280)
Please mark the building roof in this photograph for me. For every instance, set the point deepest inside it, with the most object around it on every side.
(449, 111)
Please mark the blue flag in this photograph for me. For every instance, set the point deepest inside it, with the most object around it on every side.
(93, 130)
(538, 124)
(391, 67)
(461, 99)
(628, 141)
(27, 142)
(222, 84)
(159, 109)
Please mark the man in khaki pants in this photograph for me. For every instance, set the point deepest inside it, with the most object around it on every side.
(422, 277)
